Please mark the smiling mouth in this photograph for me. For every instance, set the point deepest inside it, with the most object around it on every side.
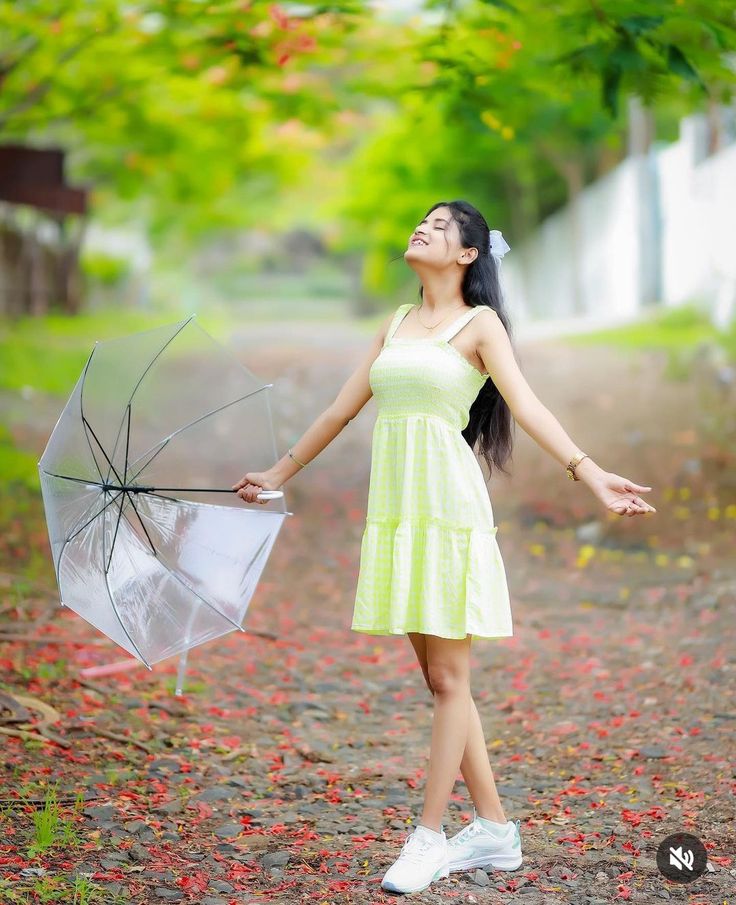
(417, 242)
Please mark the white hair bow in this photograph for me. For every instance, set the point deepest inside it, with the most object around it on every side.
(497, 245)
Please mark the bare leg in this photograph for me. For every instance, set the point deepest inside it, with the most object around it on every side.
(477, 772)
(475, 766)
(449, 673)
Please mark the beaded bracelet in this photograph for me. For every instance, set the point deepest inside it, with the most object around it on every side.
(297, 460)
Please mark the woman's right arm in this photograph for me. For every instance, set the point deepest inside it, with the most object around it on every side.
(353, 395)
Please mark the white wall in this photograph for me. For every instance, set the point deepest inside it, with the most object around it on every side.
(659, 229)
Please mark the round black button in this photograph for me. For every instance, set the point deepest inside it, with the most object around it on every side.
(681, 857)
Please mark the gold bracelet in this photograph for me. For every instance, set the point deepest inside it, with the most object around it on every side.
(297, 460)
(573, 464)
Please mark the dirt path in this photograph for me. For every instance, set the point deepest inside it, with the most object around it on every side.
(292, 769)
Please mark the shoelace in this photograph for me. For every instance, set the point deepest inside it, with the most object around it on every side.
(414, 847)
(468, 832)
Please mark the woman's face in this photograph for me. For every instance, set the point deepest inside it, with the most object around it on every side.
(436, 241)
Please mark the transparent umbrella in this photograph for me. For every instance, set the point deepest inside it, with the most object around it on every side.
(150, 543)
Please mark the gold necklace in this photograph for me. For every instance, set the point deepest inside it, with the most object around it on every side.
(438, 322)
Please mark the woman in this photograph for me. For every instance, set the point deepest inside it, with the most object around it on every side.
(430, 563)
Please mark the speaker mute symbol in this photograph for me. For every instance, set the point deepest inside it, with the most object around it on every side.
(682, 859)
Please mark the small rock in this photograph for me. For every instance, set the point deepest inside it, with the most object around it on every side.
(170, 807)
(166, 876)
(239, 782)
(226, 830)
(274, 859)
(138, 852)
(245, 857)
(163, 764)
(221, 886)
(214, 900)
(82, 870)
(101, 812)
(135, 826)
(169, 895)
(215, 793)
(653, 751)
(480, 878)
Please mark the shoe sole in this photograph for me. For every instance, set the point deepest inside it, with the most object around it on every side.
(442, 872)
(512, 862)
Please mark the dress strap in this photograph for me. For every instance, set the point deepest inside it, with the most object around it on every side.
(401, 313)
(461, 322)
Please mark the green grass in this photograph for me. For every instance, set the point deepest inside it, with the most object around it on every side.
(61, 890)
(664, 329)
(49, 353)
(16, 465)
(679, 332)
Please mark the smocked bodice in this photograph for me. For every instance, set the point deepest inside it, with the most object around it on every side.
(425, 377)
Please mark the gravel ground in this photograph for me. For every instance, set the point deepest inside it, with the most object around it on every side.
(293, 767)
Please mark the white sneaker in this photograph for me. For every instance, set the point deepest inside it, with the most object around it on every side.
(477, 846)
(422, 860)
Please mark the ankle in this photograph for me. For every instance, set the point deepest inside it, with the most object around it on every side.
(493, 817)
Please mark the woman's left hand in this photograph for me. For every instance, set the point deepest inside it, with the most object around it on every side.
(620, 495)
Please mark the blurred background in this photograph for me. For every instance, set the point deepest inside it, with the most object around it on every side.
(262, 165)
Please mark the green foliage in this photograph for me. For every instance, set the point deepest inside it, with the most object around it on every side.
(104, 269)
(178, 105)
(189, 117)
(16, 465)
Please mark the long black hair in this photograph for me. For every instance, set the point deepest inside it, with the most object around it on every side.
(490, 424)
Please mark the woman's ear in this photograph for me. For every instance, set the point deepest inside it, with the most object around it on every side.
(468, 255)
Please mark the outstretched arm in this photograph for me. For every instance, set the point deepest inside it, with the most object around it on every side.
(619, 495)
(353, 395)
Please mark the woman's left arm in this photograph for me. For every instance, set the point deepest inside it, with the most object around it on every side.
(618, 494)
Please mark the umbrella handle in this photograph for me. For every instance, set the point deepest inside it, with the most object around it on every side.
(270, 495)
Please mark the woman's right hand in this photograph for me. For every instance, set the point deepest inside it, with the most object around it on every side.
(252, 483)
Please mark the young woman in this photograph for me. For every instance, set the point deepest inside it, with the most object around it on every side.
(445, 376)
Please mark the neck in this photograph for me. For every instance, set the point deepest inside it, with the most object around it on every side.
(440, 291)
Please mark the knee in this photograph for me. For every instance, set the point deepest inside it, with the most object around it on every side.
(425, 673)
(445, 681)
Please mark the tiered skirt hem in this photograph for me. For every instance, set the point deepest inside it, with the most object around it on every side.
(425, 575)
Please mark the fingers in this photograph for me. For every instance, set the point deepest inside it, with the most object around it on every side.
(249, 494)
(636, 488)
(631, 507)
(243, 482)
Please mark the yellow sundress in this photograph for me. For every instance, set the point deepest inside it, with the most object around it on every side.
(429, 558)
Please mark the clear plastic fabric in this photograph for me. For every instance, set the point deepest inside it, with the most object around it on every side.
(150, 544)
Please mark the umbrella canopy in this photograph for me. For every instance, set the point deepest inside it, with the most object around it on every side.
(150, 543)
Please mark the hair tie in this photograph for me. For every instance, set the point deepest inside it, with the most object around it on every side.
(497, 245)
